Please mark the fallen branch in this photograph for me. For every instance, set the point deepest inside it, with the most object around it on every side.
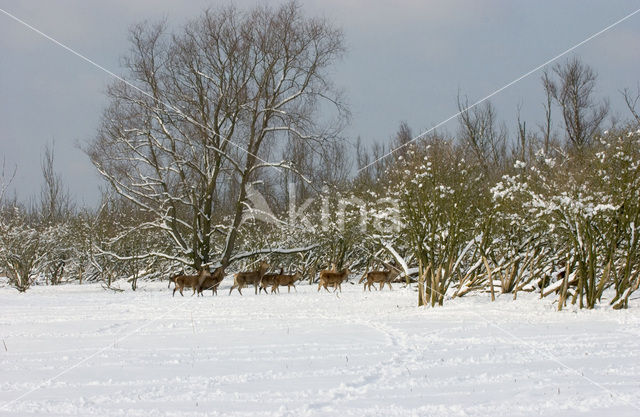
(108, 287)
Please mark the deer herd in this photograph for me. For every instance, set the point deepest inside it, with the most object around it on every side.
(261, 280)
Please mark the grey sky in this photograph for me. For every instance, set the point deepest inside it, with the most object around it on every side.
(407, 60)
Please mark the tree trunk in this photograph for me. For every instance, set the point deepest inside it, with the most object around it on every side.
(489, 277)
(421, 277)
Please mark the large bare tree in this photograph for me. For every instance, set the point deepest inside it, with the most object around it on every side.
(574, 91)
(193, 127)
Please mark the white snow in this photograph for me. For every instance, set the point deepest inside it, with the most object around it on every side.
(90, 352)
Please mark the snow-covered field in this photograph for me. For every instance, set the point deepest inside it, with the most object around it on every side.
(83, 351)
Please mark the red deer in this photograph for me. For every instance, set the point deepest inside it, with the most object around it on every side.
(328, 277)
(382, 277)
(173, 279)
(253, 277)
(268, 280)
(285, 279)
(191, 281)
(211, 282)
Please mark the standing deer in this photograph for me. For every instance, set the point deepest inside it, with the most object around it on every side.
(382, 277)
(191, 281)
(173, 279)
(241, 279)
(268, 280)
(285, 279)
(211, 282)
(328, 277)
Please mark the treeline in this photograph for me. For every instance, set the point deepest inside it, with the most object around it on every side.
(552, 209)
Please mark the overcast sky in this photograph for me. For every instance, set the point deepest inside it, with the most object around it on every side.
(406, 60)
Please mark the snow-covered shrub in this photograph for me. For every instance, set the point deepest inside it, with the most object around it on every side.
(585, 207)
(28, 249)
(442, 196)
(20, 251)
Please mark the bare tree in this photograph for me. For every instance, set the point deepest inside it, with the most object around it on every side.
(574, 92)
(362, 159)
(374, 158)
(300, 155)
(631, 99)
(216, 95)
(522, 143)
(55, 201)
(335, 165)
(5, 180)
(481, 134)
(547, 126)
(403, 136)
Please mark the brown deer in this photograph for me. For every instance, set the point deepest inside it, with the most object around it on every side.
(191, 281)
(328, 277)
(268, 280)
(241, 279)
(382, 277)
(211, 282)
(286, 279)
(173, 279)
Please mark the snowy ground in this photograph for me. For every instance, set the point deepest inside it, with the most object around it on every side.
(310, 354)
